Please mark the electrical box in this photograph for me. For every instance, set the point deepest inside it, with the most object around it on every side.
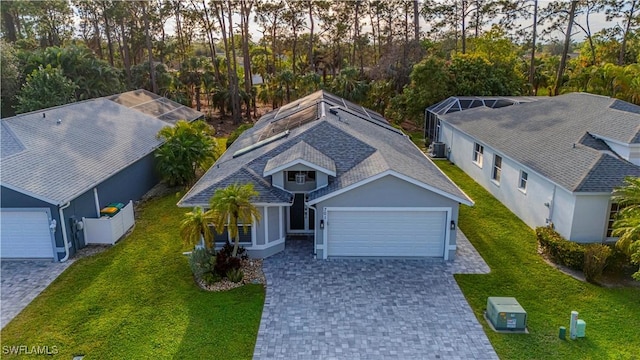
(580, 328)
(505, 313)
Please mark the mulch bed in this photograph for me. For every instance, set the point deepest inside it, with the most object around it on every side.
(252, 269)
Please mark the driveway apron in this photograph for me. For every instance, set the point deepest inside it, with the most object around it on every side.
(369, 309)
(23, 280)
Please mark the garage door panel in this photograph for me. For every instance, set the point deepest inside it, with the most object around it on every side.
(25, 234)
(386, 233)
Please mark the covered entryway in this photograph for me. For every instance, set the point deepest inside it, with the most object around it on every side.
(301, 220)
(386, 232)
(25, 234)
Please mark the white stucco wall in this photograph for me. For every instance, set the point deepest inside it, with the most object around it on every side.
(579, 218)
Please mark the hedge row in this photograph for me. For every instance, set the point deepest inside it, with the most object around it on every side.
(560, 250)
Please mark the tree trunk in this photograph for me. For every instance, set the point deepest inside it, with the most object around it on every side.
(464, 30)
(107, 31)
(248, 80)
(416, 21)
(235, 106)
(152, 72)
(532, 65)
(565, 51)
(623, 44)
(312, 64)
(9, 24)
(125, 48)
(356, 32)
(212, 45)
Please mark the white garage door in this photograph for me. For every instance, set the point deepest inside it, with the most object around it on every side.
(25, 234)
(386, 233)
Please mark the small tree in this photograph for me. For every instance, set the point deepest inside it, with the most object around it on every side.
(187, 148)
(231, 206)
(45, 87)
(627, 224)
(194, 228)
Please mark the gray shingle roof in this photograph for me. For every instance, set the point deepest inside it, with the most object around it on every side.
(11, 144)
(541, 135)
(359, 145)
(94, 140)
(301, 151)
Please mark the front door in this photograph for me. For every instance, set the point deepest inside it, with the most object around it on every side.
(301, 219)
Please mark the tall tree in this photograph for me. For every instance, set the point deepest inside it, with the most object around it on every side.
(627, 10)
(565, 51)
(45, 87)
(231, 207)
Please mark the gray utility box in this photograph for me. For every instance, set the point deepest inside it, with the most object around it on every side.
(506, 314)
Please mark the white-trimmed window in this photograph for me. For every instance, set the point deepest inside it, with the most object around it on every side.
(478, 151)
(524, 177)
(497, 168)
(613, 213)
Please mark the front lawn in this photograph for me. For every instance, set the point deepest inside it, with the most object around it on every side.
(138, 300)
(509, 248)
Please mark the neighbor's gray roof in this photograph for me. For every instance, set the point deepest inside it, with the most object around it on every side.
(57, 162)
(541, 135)
(301, 151)
(360, 143)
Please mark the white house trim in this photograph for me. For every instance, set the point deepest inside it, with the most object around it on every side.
(299, 162)
(399, 176)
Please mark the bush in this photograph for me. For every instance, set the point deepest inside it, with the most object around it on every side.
(235, 275)
(595, 260)
(619, 262)
(202, 263)
(559, 249)
(225, 262)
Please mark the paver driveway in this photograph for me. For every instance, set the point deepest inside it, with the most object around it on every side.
(23, 280)
(368, 309)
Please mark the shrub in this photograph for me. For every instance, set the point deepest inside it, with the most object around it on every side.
(228, 249)
(595, 260)
(226, 262)
(560, 250)
(619, 262)
(201, 261)
(235, 275)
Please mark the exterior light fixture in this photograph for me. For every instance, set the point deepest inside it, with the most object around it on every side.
(453, 225)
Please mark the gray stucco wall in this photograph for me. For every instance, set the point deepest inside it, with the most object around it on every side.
(388, 191)
(274, 224)
(129, 184)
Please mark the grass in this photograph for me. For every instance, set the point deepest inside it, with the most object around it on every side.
(138, 300)
(548, 295)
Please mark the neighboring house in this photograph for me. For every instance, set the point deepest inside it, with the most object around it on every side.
(551, 160)
(340, 173)
(61, 164)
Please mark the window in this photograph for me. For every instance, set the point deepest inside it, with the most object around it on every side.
(497, 168)
(613, 213)
(301, 177)
(478, 150)
(523, 180)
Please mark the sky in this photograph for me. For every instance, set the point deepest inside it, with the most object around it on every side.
(597, 23)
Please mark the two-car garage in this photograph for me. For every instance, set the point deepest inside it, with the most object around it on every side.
(26, 233)
(386, 232)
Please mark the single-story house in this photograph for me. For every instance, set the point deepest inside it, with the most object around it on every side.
(551, 160)
(334, 171)
(65, 163)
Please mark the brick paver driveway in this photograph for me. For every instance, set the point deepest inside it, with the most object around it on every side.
(23, 280)
(368, 309)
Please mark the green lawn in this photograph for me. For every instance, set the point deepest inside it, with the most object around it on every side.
(138, 300)
(548, 296)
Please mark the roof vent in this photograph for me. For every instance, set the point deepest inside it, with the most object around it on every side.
(333, 110)
(59, 121)
(44, 115)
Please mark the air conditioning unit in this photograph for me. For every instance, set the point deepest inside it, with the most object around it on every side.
(438, 150)
(505, 313)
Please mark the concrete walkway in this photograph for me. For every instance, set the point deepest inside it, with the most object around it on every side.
(369, 309)
(23, 280)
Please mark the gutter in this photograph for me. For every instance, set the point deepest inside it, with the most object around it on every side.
(63, 226)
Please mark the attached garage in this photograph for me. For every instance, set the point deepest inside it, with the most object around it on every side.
(25, 233)
(386, 232)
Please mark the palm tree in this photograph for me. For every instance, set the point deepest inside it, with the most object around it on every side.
(194, 228)
(231, 206)
(627, 225)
